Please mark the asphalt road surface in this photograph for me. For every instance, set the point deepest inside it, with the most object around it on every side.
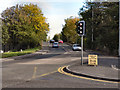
(41, 71)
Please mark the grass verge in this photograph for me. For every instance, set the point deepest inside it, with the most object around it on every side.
(18, 53)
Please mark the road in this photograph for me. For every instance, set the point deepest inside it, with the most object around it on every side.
(41, 71)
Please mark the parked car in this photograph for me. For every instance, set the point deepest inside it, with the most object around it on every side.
(60, 41)
(52, 41)
(76, 47)
(55, 45)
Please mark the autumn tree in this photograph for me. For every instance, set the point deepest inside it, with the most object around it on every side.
(69, 33)
(24, 26)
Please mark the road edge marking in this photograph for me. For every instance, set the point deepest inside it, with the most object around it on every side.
(34, 73)
(45, 74)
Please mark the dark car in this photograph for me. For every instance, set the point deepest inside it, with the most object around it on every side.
(52, 41)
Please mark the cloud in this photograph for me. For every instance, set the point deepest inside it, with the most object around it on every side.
(4, 4)
(63, 0)
(56, 22)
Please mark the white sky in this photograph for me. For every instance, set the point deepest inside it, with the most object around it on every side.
(55, 10)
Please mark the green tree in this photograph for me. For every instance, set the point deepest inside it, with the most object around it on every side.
(26, 26)
(56, 37)
(5, 35)
(103, 18)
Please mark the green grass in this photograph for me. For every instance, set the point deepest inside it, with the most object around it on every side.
(18, 53)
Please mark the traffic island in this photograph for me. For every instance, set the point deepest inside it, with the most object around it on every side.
(106, 74)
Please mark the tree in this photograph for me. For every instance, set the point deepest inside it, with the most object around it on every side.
(104, 23)
(26, 26)
(56, 37)
(5, 35)
(69, 33)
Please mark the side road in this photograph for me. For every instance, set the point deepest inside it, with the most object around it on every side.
(45, 49)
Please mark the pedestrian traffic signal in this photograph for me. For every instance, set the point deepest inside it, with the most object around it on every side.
(81, 28)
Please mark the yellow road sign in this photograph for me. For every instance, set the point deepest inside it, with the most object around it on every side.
(92, 60)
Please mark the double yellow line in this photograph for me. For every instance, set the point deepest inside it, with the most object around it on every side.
(81, 77)
(60, 70)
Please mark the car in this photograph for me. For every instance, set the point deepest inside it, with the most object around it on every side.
(55, 45)
(76, 47)
(60, 41)
(52, 41)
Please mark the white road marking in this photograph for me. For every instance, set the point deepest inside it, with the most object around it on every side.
(114, 67)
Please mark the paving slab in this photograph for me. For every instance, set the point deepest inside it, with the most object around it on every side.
(95, 71)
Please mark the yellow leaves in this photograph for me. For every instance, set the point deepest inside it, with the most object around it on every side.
(69, 29)
(32, 9)
(37, 27)
(34, 13)
(70, 22)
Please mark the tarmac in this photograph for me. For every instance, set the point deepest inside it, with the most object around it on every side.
(85, 70)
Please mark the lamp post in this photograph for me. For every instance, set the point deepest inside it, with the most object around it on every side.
(92, 22)
(119, 29)
(92, 19)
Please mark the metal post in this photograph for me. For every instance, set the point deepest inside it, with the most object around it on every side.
(92, 23)
(82, 50)
(119, 29)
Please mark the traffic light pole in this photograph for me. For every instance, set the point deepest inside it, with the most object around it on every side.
(81, 32)
(82, 50)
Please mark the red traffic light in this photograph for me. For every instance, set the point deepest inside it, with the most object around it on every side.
(81, 24)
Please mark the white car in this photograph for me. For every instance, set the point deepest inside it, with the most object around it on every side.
(55, 45)
(76, 47)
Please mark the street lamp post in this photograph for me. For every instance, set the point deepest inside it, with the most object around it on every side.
(92, 19)
(92, 23)
(119, 29)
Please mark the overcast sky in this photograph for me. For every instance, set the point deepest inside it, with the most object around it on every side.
(55, 10)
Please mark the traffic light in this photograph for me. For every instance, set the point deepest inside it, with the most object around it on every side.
(81, 28)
